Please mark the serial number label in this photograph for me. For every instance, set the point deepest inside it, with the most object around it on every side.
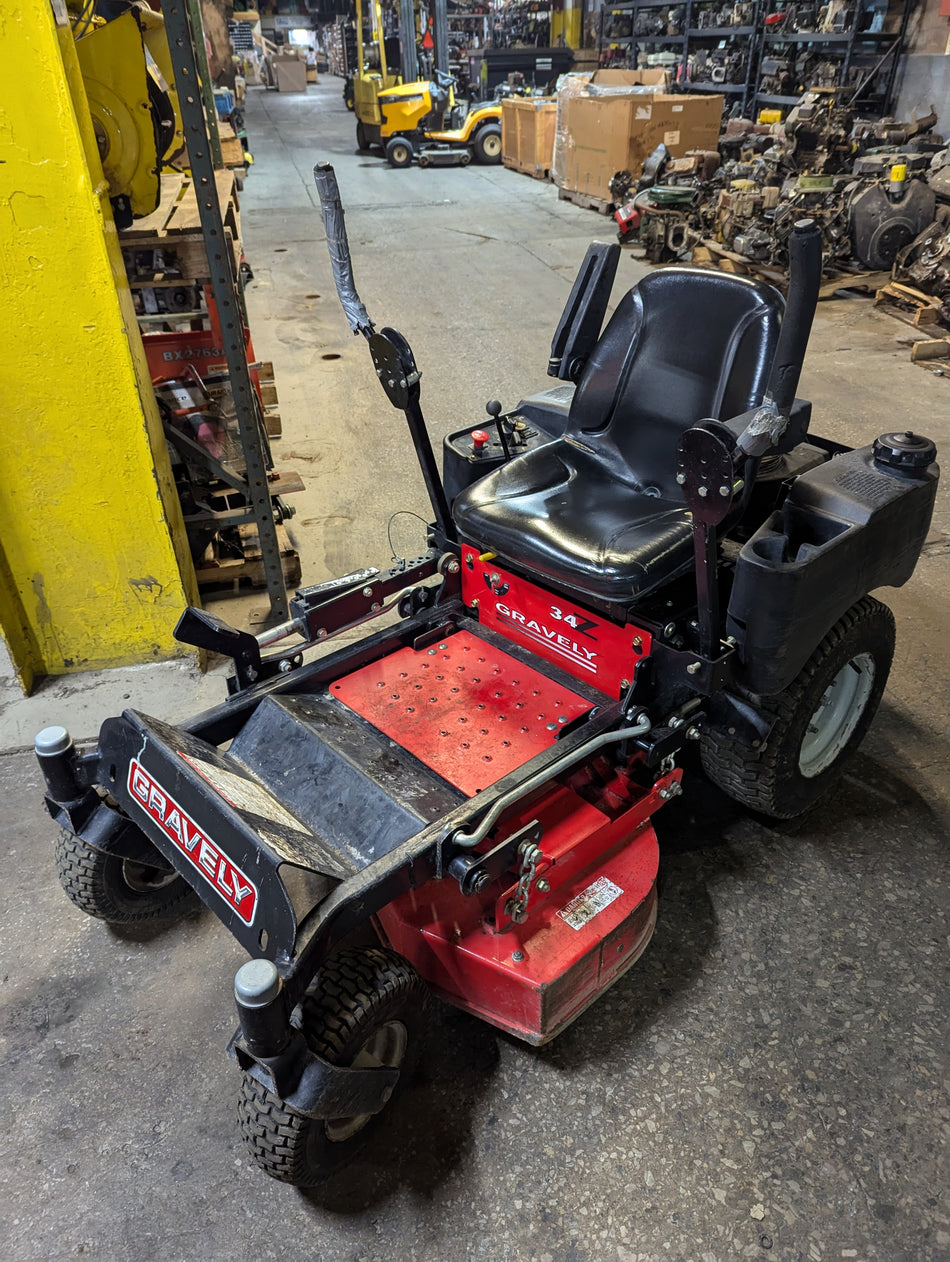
(585, 906)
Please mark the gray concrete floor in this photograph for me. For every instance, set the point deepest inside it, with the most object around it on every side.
(770, 1080)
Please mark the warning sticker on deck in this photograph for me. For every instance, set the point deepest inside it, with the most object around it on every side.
(243, 794)
(582, 909)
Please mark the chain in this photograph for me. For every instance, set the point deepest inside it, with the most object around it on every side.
(531, 856)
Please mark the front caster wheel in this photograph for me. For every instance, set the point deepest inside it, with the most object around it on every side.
(399, 152)
(120, 891)
(820, 719)
(367, 1007)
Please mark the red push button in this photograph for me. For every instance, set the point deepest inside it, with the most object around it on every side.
(479, 439)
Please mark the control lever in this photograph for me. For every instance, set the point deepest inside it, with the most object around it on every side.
(493, 408)
(392, 355)
(203, 630)
(804, 281)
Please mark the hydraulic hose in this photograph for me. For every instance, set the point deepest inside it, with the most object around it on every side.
(339, 249)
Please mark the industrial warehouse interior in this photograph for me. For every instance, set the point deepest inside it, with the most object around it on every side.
(474, 596)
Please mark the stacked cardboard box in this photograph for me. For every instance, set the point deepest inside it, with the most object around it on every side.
(613, 120)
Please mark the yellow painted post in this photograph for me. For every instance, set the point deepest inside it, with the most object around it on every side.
(92, 544)
(566, 23)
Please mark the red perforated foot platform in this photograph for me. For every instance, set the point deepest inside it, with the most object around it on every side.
(465, 709)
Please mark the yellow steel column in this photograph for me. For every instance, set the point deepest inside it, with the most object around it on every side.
(92, 544)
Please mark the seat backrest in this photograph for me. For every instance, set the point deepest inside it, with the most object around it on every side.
(685, 344)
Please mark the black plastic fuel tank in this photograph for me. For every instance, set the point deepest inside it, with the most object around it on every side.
(853, 524)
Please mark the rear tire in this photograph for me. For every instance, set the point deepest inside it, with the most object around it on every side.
(362, 140)
(820, 719)
(366, 1007)
(487, 145)
(399, 152)
(117, 890)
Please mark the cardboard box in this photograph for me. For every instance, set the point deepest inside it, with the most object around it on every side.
(606, 134)
(290, 72)
(527, 134)
(600, 83)
(656, 77)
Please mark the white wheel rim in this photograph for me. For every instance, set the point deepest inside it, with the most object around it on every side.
(385, 1047)
(492, 146)
(833, 723)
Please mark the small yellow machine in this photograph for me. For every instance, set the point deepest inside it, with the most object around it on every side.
(419, 119)
(126, 70)
(422, 119)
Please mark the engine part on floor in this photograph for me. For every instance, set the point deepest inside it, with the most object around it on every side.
(885, 218)
(653, 167)
(926, 261)
(619, 185)
(657, 219)
(818, 131)
(939, 175)
(880, 164)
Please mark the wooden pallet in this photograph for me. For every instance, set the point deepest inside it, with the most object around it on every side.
(269, 400)
(586, 200)
(711, 254)
(906, 303)
(218, 570)
(232, 151)
(536, 173)
(175, 229)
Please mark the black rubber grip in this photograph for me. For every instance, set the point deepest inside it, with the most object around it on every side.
(804, 281)
(339, 248)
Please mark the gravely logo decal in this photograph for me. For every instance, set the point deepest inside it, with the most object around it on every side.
(228, 880)
(567, 646)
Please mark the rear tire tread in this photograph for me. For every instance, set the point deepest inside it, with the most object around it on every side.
(755, 778)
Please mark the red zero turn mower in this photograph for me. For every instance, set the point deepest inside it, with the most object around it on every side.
(653, 552)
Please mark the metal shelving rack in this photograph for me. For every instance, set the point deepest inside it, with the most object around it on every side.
(858, 49)
(182, 22)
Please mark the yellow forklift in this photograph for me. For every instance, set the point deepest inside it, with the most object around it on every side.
(408, 117)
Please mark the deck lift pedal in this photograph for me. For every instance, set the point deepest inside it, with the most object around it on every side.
(654, 551)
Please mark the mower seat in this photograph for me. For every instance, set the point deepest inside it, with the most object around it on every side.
(598, 512)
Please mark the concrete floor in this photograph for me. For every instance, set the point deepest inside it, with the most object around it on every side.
(770, 1080)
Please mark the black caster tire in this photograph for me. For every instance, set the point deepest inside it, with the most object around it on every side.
(399, 152)
(117, 890)
(366, 1007)
(362, 140)
(487, 145)
(820, 719)
(349, 97)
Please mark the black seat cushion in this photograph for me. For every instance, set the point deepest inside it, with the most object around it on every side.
(599, 511)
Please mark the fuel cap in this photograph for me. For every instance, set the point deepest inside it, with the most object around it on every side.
(905, 450)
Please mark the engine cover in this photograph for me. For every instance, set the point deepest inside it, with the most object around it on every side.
(880, 228)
